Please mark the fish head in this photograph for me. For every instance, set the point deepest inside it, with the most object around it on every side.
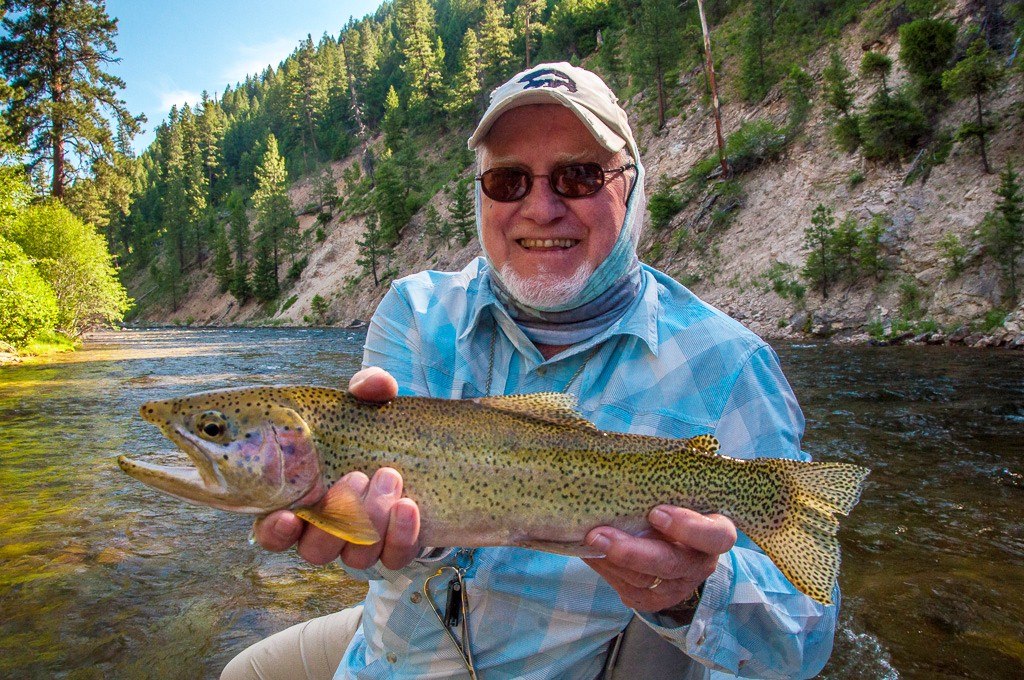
(252, 453)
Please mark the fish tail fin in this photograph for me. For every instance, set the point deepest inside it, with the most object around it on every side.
(801, 537)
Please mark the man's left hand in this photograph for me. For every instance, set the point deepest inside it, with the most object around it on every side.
(676, 557)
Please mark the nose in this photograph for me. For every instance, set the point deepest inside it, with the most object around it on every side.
(542, 205)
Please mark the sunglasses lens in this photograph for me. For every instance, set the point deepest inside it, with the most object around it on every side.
(577, 180)
(505, 184)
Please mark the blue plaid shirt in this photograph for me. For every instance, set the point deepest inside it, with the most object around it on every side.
(672, 366)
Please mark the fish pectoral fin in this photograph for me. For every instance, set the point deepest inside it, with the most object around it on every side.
(342, 514)
(550, 407)
(572, 549)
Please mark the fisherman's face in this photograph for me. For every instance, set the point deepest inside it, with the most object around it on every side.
(545, 246)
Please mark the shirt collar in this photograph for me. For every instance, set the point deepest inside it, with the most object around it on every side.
(640, 320)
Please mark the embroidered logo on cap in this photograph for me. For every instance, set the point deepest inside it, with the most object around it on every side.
(547, 77)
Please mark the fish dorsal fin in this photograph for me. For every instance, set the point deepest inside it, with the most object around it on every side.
(341, 514)
(556, 408)
(703, 443)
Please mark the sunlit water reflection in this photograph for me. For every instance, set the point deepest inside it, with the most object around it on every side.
(103, 577)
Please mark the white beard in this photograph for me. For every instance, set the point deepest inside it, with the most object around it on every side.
(545, 289)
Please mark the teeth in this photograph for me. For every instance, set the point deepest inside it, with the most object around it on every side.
(547, 243)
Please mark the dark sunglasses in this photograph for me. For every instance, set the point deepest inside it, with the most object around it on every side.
(575, 180)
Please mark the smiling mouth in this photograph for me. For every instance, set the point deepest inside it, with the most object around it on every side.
(530, 243)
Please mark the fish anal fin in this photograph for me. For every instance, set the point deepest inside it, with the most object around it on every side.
(341, 514)
(556, 408)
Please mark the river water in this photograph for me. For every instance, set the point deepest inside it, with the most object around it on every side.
(101, 577)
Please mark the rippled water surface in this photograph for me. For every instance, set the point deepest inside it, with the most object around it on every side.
(101, 577)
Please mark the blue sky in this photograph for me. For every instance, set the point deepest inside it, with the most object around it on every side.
(172, 50)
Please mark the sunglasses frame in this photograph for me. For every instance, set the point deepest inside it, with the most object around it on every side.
(604, 176)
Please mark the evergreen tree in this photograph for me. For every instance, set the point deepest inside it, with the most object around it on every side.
(423, 60)
(655, 32)
(372, 247)
(839, 97)
(182, 197)
(975, 76)
(390, 201)
(926, 48)
(821, 267)
(798, 87)
(211, 124)
(573, 27)
(325, 189)
(434, 229)
(877, 65)
(54, 53)
(1002, 231)
(264, 276)
(754, 70)
(495, 45)
(307, 95)
(276, 224)
(890, 128)
(462, 212)
(527, 19)
(464, 95)
(222, 260)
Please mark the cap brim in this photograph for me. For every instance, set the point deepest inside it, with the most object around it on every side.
(602, 133)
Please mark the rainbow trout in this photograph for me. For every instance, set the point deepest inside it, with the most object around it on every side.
(522, 470)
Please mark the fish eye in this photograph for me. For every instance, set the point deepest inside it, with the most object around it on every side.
(211, 425)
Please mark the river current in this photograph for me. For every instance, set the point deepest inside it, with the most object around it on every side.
(101, 577)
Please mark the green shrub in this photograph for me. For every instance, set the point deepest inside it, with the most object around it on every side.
(954, 252)
(295, 271)
(319, 306)
(288, 303)
(992, 320)
(664, 204)
(856, 178)
(28, 305)
(891, 128)
(912, 300)
(781, 280)
(755, 142)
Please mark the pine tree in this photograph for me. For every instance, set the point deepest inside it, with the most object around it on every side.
(1002, 230)
(54, 53)
(754, 71)
(495, 45)
(655, 32)
(264, 276)
(423, 61)
(978, 74)
(276, 224)
(462, 212)
(372, 247)
(325, 189)
(464, 95)
(839, 97)
(307, 95)
(527, 18)
(926, 48)
(877, 65)
(222, 260)
(821, 267)
(434, 229)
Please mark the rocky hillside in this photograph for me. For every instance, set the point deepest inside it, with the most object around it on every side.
(729, 261)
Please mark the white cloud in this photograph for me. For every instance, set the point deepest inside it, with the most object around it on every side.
(169, 98)
(253, 59)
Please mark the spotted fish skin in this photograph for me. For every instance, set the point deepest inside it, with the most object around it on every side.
(522, 470)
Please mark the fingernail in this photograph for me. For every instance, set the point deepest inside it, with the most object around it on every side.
(356, 381)
(385, 483)
(404, 516)
(282, 529)
(659, 518)
(601, 542)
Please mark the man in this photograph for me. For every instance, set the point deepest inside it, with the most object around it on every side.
(559, 302)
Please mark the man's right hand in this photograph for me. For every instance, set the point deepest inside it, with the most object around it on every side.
(397, 519)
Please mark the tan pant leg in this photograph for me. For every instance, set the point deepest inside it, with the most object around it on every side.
(310, 650)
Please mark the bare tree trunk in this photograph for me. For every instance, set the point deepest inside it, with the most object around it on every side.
(714, 89)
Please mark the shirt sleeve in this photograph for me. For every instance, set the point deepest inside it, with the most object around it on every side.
(751, 621)
(393, 342)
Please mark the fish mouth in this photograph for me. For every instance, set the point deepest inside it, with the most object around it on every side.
(202, 483)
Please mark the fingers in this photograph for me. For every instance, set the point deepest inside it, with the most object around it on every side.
(318, 546)
(680, 555)
(373, 384)
(278, 531)
(383, 491)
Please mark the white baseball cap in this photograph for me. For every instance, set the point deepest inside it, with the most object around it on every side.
(579, 90)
